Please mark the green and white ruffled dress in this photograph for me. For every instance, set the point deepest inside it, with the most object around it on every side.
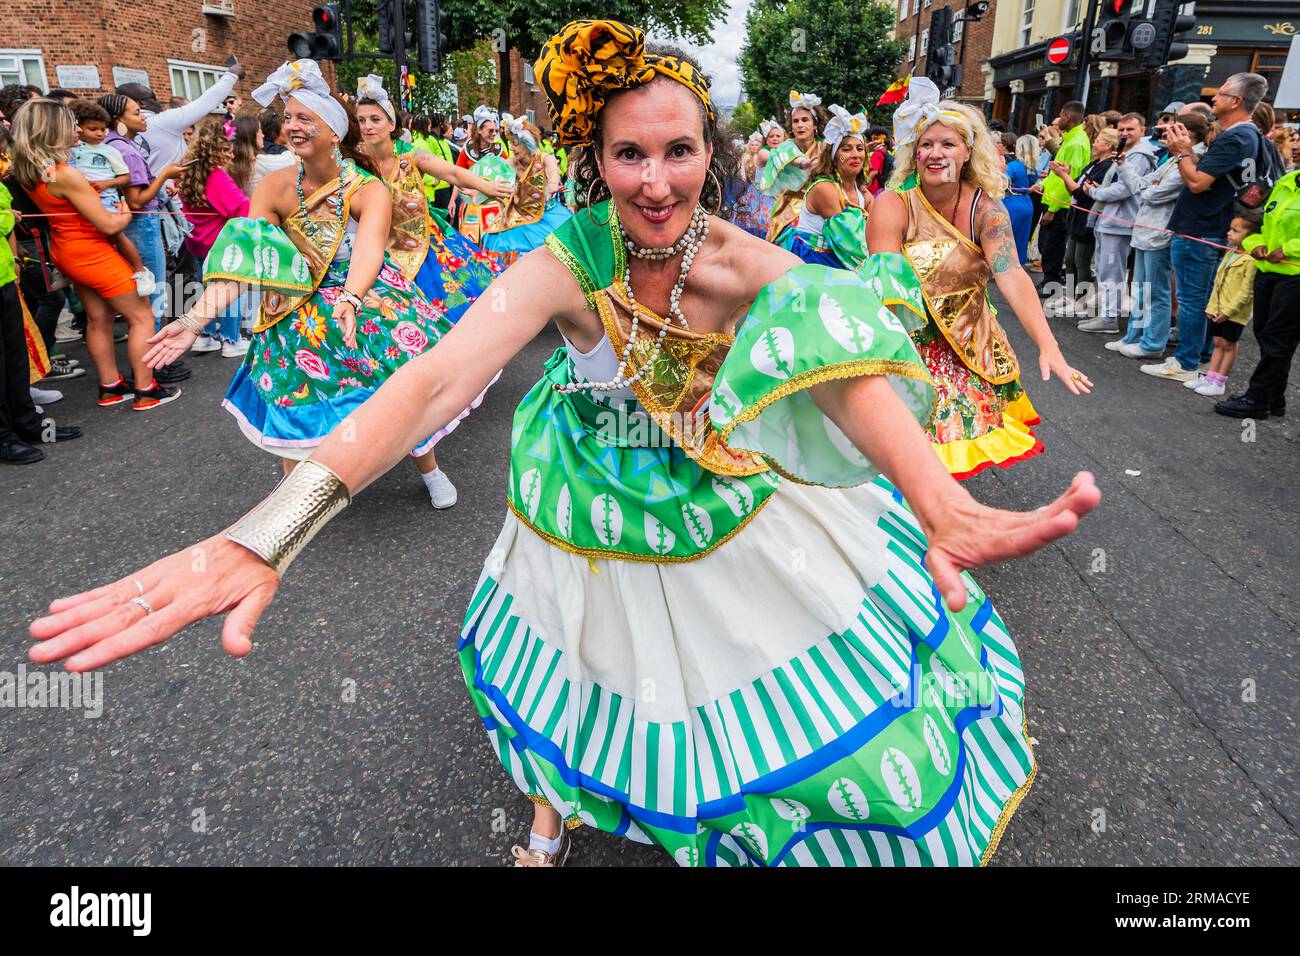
(722, 639)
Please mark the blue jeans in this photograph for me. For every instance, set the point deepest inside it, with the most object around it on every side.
(146, 232)
(1194, 266)
(1148, 323)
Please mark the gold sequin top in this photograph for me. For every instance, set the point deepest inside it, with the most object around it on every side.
(954, 277)
(527, 203)
(408, 238)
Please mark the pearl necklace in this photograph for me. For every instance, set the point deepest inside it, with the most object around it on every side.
(688, 245)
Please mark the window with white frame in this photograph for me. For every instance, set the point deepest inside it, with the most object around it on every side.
(1071, 15)
(925, 42)
(192, 80)
(911, 47)
(23, 68)
(958, 26)
(529, 77)
(902, 10)
(1027, 22)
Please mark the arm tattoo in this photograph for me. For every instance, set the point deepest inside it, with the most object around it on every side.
(998, 240)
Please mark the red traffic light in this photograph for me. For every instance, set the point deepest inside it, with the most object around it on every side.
(325, 18)
(1117, 6)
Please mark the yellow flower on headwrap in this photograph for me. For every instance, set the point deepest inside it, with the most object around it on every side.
(582, 64)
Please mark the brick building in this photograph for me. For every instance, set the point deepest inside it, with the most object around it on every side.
(974, 42)
(526, 97)
(177, 47)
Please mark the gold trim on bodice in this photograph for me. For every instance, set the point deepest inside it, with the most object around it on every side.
(317, 237)
(408, 238)
(675, 389)
(527, 204)
(954, 277)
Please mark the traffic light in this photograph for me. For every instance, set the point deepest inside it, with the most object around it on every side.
(387, 24)
(431, 35)
(1110, 39)
(1169, 25)
(326, 43)
(941, 66)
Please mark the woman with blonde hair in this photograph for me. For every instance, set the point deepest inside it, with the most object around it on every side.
(44, 133)
(956, 233)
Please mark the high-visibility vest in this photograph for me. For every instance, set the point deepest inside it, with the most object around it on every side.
(439, 147)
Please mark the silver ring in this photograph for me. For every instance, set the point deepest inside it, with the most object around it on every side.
(148, 609)
(138, 586)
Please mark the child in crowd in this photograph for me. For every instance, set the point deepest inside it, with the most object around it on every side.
(105, 170)
(1230, 305)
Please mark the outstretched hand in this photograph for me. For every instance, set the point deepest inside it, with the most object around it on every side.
(97, 627)
(168, 344)
(969, 535)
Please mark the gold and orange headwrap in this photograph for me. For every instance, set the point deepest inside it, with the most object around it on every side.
(589, 59)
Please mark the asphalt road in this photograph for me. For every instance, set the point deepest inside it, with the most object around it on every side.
(1159, 644)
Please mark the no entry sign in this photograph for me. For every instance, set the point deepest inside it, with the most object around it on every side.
(1058, 51)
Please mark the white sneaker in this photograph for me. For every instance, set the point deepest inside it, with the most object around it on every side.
(1108, 326)
(1212, 389)
(205, 343)
(1135, 350)
(234, 349)
(1196, 382)
(144, 282)
(45, 396)
(1168, 369)
(442, 493)
(1114, 345)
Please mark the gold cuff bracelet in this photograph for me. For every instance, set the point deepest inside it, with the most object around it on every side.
(280, 527)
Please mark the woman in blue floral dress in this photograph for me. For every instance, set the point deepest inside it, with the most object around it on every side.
(338, 314)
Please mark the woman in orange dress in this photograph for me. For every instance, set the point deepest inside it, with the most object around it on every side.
(44, 132)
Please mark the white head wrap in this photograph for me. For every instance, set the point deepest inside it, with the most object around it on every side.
(804, 101)
(767, 126)
(841, 124)
(483, 114)
(920, 109)
(515, 127)
(372, 88)
(302, 80)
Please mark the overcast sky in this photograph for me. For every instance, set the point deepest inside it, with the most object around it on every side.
(719, 57)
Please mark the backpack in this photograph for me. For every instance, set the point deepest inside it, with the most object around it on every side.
(1253, 193)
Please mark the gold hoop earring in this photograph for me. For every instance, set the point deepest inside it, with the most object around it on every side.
(594, 222)
(717, 182)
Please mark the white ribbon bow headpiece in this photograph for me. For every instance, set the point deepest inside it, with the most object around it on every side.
(372, 88)
(841, 124)
(920, 109)
(302, 80)
(767, 125)
(484, 114)
(805, 101)
(515, 127)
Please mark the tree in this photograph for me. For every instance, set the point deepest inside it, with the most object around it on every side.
(524, 25)
(840, 50)
(745, 118)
